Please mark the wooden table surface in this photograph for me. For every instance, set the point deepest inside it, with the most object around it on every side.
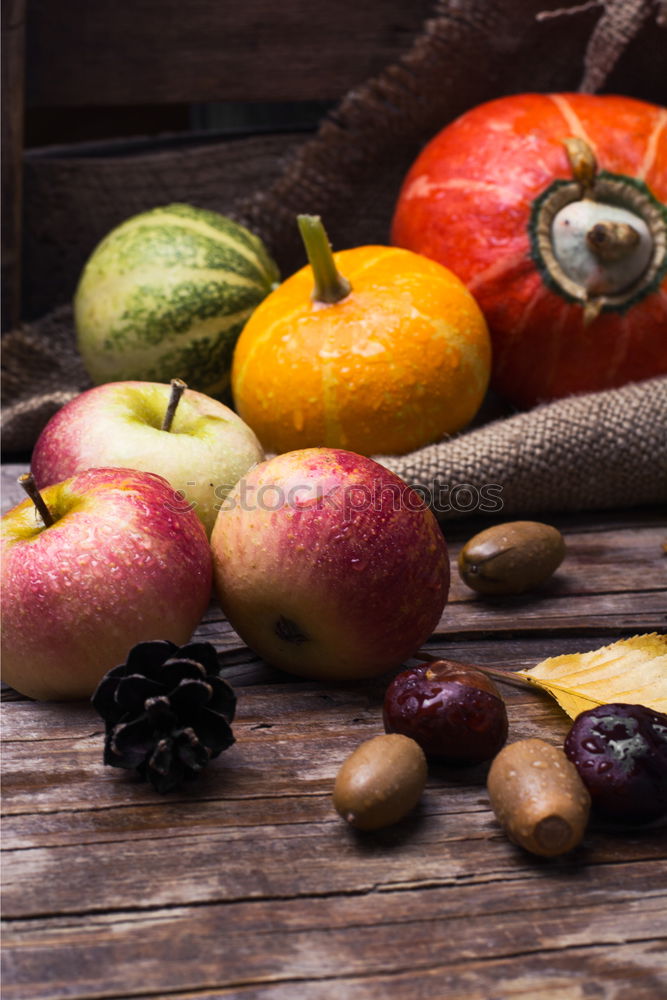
(247, 884)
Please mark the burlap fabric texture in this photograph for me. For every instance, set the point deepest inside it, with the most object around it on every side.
(595, 451)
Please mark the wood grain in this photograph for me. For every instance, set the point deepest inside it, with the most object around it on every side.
(246, 884)
(317, 938)
(156, 51)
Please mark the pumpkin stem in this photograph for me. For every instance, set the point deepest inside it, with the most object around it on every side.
(610, 240)
(330, 285)
(592, 309)
(601, 238)
(582, 163)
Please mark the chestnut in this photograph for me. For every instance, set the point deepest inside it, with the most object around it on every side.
(454, 712)
(620, 752)
(511, 558)
(380, 782)
(538, 797)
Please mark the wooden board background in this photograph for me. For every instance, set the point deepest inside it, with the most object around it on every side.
(155, 51)
(246, 883)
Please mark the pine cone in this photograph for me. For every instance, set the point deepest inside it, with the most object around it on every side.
(166, 711)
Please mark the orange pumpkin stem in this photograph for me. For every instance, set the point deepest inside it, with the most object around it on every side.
(330, 285)
(582, 162)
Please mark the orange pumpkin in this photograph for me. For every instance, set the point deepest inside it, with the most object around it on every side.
(388, 358)
(551, 209)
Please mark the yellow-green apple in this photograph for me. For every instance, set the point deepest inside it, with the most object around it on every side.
(328, 565)
(117, 565)
(203, 453)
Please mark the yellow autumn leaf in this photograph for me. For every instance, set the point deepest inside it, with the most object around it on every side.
(632, 670)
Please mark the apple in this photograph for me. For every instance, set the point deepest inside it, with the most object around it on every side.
(203, 453)
(328, 565)
(118, 564)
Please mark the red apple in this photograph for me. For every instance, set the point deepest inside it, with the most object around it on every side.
(328, 565)
(203, 454)
(118, 565)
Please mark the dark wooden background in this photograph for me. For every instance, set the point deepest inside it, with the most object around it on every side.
(82, 71)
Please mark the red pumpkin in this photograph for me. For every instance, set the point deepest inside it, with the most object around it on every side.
(551, 209)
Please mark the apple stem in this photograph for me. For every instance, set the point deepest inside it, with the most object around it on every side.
(178, 387)
(505, 676)
(26, 480)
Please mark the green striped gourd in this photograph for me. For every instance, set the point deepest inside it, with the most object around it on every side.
(166, 295)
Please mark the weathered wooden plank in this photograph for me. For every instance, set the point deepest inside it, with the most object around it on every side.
(172, 819)
(229, 864)
(52, 752)
(615, 613)
(80, 801)
(290, 741)
(318, 938)
(575, 973)
(66, 739)
(155, 52)
(264, 804)
(571, 974)
(514, 652)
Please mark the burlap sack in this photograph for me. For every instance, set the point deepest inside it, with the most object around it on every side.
(595, 451)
